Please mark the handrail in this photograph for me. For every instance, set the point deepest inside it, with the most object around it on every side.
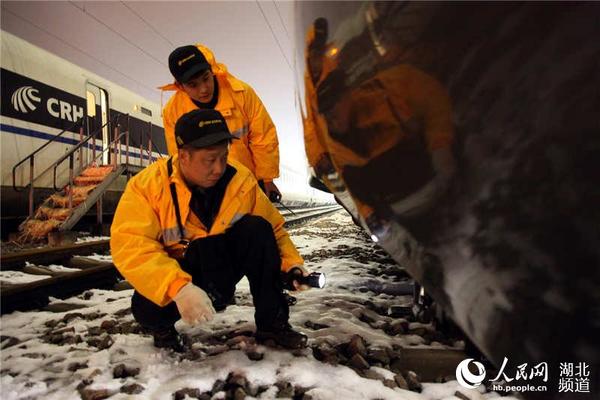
(71, 175)
(152, 143)
(80, 145)
(78, 122)
(148, 150)
(152, 148)
(84, 142)
(52, 165)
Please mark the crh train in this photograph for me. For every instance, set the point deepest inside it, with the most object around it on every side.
(48, 101)
(465, 138)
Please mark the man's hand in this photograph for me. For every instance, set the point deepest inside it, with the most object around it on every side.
(193, 304)
(303, 271)
(272, 191)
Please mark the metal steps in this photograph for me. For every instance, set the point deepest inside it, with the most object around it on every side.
(92, 198)
(62, 210)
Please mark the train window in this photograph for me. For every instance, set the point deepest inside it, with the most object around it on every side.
(98, 111)
(91, 104)
(105, 128)
(146, 111)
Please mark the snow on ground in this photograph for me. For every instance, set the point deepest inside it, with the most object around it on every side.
(100, 257)
(18, 277)
(84, 238)
(61, 268)
(98, 351)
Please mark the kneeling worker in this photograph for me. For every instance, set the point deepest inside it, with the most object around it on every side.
(187, 229)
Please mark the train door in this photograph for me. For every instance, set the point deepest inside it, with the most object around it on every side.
(97, 117)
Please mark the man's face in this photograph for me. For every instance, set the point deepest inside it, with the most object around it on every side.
(204, 167)
(201, 88)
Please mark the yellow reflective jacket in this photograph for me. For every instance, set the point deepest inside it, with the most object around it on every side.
(145, 235)
(246, 117)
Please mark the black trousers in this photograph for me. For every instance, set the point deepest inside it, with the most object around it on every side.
(217, 263)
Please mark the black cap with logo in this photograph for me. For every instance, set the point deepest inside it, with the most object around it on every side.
(201, 128)
(185, 62)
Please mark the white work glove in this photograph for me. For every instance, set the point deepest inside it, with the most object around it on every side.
(193, 304)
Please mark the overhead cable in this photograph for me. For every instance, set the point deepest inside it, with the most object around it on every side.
(281, 19)
(274, 35)
(83, 10)
(147, 23)
(78, 49)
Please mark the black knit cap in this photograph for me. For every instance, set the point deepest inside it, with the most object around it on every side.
(185, 62)
(201, 128)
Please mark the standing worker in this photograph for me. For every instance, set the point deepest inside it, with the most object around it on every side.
(202, 83)
(187, 229)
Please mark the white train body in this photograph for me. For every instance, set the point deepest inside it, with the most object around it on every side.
(42, 94)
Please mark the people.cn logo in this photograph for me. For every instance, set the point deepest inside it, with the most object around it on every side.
(23, 99)
(466, 378)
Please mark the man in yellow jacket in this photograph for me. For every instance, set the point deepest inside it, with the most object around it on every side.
(201, 82)
(187, 229)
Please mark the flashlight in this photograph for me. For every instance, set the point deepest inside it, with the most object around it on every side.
(314, 279)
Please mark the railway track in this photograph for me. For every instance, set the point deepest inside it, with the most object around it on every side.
(51, 255)
(296, 216)
(83, 273)
(62, 271)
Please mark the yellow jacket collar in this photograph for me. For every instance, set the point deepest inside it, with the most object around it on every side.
(176, 176)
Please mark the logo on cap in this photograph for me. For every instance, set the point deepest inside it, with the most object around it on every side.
(185, 59)
(210, 122)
